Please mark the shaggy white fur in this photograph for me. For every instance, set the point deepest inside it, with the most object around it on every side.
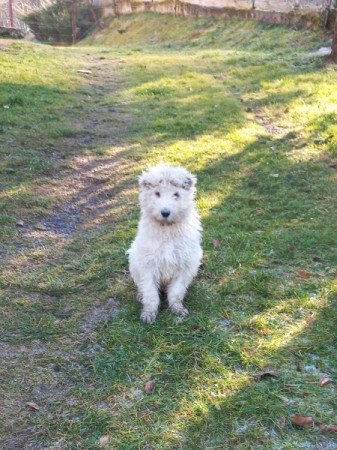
(166, 252)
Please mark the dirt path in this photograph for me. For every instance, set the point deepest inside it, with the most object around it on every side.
(85, 192)
(85, 183)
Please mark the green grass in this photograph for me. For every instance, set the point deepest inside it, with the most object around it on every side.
(243, 107)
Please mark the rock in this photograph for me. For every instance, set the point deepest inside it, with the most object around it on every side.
(13, 33)
(20, 223)
(319, 140)
(323, 51)
(40, 227)
(84, 71)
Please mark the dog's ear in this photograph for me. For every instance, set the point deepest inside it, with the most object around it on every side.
(189, 182)
(144, 182)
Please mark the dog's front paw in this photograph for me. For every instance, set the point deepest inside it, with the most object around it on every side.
(179, 310)
(148, 316)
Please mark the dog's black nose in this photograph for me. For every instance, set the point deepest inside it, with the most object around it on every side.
(165, 212)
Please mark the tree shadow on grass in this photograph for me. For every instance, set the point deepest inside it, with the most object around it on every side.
(268, 226)
(252, 305)
(184, 113)
(286, 225)
(260, 411)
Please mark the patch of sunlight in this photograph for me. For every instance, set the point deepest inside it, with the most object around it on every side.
(277, 326)
(194, 154)
(313, 112)
(206, 394)
(243, 136)
(207, 202)
(198, 153)
(303, 155)
(14, 192)
(165, 85)
(279, 340)
(159, 88)
(120, 149)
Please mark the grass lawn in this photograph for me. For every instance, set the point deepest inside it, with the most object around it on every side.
(241, 105)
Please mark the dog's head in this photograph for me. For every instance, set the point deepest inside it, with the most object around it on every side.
(167, 193)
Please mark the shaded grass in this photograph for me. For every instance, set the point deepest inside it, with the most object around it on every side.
(255, 120)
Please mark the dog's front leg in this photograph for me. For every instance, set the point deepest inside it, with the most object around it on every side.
(175, 296)
(149, 298)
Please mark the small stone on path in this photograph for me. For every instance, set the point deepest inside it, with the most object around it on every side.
(84, 71)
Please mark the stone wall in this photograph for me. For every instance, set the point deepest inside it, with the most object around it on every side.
(303, 13)
(13, 33)
(263, 5)
(20, 8)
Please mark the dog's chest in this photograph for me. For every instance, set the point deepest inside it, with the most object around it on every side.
(168, 257)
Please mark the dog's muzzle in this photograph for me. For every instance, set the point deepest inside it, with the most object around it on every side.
(165, 213)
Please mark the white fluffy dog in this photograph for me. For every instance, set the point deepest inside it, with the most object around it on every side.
(166, 253)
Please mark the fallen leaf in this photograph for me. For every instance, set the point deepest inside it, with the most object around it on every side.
(103, 440)
(323, 381)
(266, 374)
(310, 320)
(303, 273)
(20, 223)
(302, 421)
(331, 428)
(33, 406)
(149, 387)
(216, 243)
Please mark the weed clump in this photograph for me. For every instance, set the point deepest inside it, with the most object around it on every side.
(53, 22)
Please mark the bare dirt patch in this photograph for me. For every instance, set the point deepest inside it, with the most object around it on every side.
(270, 127)
(88, 188)
(100, 313)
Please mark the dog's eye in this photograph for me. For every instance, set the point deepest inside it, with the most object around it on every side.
(176, 195)
(157, 194)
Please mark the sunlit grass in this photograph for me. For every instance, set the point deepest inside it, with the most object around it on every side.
(242, 106)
